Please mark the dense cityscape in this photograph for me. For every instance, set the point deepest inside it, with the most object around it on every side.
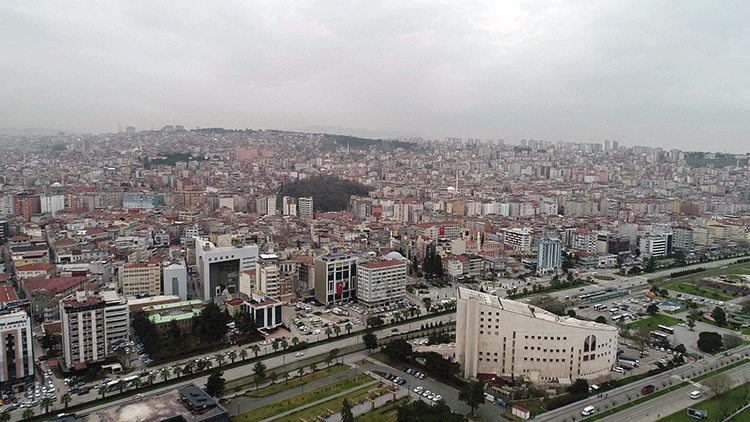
(258, 275)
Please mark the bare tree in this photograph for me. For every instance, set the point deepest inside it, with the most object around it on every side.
(718, 383)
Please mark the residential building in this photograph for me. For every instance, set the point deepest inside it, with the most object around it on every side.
(142, 201)
(140, 278)
(583, 241)
(335, 278)
(16, 350)
(683, 238)
(92, 324)
(517, 239)
(175, 280)
(500, 337)
(656, 244)
(382, 282)
(52, 203)
(305, 208)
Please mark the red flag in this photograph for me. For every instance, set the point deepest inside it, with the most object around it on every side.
(340, 288)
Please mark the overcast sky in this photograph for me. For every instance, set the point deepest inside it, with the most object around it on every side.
(661, 73)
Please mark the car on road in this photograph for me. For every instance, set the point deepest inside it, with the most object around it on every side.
(648, 389)
(299, 354)
(588, 411)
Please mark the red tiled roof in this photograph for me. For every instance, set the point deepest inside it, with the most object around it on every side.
(55, 284)
(7, 294)
(52, 327)
(35, 267)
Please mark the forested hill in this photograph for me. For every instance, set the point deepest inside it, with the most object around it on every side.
(332, 142)
(329, 193)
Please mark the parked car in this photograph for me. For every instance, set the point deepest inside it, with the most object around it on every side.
(648, 389)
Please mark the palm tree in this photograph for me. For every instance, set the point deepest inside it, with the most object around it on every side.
(295, 341)
(177, 371)
(274, 345)
(348, 327)
(120, 385)
(46, 403)
(137, 383)
(164, 374)
(301, 371)
(273, 377)
(208, 364)
(313, 367)
(64, 399)
(328, 360)
(103, 390)
(232, 355)
(284, 344)
(337, 330)
(243, 353)
(190, 366)
(329, 331)
(285, 375)
(151, 378)
(220, 359)
(5, 416)
(28, 413)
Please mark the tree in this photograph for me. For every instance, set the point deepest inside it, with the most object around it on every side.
(284, 344)
(151, 378)
(642, 336)
(259, 369)
(220, 359)
(137, 381)
(256, 349)
(572, 313)
(301, 371)
(650, 265)
(177, 371)
(232, 355)
(580, 386)
(709, 341)
(691, 323)
(600, 320)
(164, 374)
(652, 309)
(46, 403)
(336, 330)
(103, 390)
(215, 384)
(374, 321)
(719, 316)
(346, 412)
(274, 346)
(398, 349)
(211, 323)
(348, 327)
(273, 376)
(285, 375)
(472, 393)
(313, 367)
(329, 331)
(243, 354)
(295, 341)
(28, 414)
(419, 411)
(334, 353)
(121, 385)
(65, 399)
(5, 416)
(370, 340)
(718, 383)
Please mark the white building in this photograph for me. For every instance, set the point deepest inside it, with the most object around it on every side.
(219, 268)
(517, 239)
(305, 208)
(335, 278)
(502, 337)
(52, 203)
(175, 280)
(16, 349)
(92, 325)
(267, 279)
(656, 244)
(584, 241)
(383, 282)
(549, 255)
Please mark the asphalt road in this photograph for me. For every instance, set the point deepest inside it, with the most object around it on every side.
(632, 391)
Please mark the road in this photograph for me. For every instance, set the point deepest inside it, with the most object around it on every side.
(632, 391)
(246, 370)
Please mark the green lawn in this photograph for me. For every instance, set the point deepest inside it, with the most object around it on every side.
(304, 398)
(310, 414)
(716, 406)
(604, 277)
(387, 413)
(692, 289)
(654, 320)
(296, 382)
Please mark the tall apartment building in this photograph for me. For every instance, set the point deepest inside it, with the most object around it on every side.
(4, 231)
(549, 255)
(219, 268)
(288, 206)
(26, 205)
(683, 238)
(92, 325)
(381, 283)
(583, 241)
(517, 239)
(16, 349)
(656, 244)
(142, 201)
(140, 278)
(52, 203)
(305, 208)
(267, 279)
(335, 278)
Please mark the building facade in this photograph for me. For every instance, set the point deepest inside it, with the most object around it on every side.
(335, 278)
(502, 337)
(305, 207)
(219, 268)
(92, 325)
(381, 283)
(549, 253)
(16, 349)
(175, 280)
(140, 279)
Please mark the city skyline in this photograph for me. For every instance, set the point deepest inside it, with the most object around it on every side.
(635, 72)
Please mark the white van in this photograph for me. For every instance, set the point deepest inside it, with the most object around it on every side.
(695, 394)
(588, 411)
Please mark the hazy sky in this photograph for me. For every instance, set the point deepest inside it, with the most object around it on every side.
(662, 73)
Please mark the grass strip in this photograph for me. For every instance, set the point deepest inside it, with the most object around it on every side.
(294, 402)
(296, 382)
